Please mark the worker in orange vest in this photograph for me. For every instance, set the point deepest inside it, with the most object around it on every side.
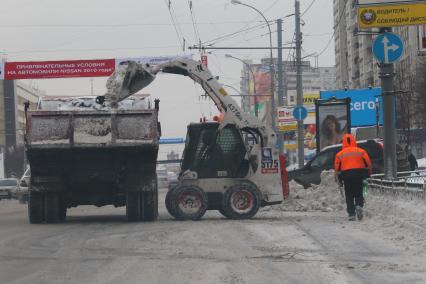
(352, 165)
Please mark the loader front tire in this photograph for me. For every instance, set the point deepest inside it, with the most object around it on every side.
(241, 201)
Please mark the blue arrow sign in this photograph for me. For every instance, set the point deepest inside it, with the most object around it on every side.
(388, 47)
(300, 113)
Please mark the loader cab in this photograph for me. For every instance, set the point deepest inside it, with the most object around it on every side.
(214, 153)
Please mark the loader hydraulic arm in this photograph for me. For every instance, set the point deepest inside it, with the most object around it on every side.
(134, 76)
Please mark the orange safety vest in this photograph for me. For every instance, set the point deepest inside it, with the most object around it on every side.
(351, 157)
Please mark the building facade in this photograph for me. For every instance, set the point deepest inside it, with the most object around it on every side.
(255, 78)
(357, 68)
(14, 94)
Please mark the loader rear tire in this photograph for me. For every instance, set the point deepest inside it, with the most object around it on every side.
(241, 201)
(188, 203)
(168, 202)
(35, 208)
(133, 206)
(52, 206)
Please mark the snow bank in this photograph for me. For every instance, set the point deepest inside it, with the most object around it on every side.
(422, 163)
(401, 218)
(323, 197)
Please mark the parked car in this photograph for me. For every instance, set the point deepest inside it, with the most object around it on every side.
(24, 183)
(8, 188)
(324, 160)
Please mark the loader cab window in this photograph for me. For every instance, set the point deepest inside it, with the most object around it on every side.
(214, 153)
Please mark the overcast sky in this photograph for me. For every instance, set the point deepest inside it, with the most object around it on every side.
(96, 29)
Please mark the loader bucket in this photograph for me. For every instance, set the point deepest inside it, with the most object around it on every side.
(129, 78)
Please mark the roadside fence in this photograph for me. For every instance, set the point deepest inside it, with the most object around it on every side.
(410, 184)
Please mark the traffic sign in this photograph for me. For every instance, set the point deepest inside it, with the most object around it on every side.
(300, 113)
(388, 47)
(385, 13)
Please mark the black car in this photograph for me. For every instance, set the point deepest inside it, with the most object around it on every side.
(324, 160)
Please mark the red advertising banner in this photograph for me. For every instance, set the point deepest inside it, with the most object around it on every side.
(58, 69)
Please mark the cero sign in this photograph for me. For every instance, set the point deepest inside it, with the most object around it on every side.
(363, 104)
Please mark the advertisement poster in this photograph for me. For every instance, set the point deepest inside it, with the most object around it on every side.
(363, 104)
(333, 120)
(261, 83)
(286, 121)
(422, 38)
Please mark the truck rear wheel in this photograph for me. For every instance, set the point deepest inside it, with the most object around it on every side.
(241, 201)
(52, 206)
(133, 206)
(188, 203)
(35, 208)
(62, 209)
(149, 203)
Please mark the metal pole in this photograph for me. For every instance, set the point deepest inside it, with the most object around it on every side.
(248, 80)
(271, 63)
(280, 135)
(300, 134)
(389, 132)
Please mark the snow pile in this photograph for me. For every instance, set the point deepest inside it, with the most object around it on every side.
(136, 102)
(422, 163)
(324, 197)
(401, 218)
(129, 78)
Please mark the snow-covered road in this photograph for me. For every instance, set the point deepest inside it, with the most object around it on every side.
(96, 245)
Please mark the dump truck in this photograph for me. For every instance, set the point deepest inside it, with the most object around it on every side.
(91, 154)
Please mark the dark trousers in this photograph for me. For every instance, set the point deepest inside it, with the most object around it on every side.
(353, 193)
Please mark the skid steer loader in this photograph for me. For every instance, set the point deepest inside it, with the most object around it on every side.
(231, 166)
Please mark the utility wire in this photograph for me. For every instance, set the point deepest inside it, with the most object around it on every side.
(245, 29)
(334, 30)
(119, 25)
(309, 7)
(234, 36)
(178, 31)
(89, 49)
(194, 21)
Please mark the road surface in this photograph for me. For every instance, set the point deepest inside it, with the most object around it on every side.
(96, 245)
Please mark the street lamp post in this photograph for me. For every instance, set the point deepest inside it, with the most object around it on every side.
(271, 66)
(254, 81)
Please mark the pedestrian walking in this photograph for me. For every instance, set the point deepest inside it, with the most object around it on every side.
(352, 165)
(411, 159)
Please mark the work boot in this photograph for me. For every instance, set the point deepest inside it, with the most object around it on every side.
(358, 211)
(352, 218)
